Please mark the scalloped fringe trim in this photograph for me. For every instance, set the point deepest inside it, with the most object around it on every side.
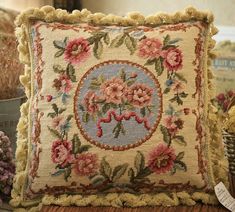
(50, 14)
(218, 162)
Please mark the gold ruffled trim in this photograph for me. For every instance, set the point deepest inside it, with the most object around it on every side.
(49, 14)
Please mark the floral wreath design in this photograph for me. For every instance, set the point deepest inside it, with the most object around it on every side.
(121, 98)
(69, 154)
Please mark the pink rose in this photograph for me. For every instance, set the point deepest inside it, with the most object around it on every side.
(113, 90)
(173, 59)
(49, 98)
(90, 102)
(139, 95)
(77, 51)
(61, 152)
(161, 159)
(150, 48)
(86, 164)
(66, 84)
(220, 97)
(171, 125)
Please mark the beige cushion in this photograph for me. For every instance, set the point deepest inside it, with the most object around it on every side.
(118, 110)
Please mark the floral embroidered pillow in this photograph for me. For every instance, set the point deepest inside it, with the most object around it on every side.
(118, 110)
(223, 69)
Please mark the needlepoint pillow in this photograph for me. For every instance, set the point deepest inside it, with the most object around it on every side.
(223, 69)
(118, 110)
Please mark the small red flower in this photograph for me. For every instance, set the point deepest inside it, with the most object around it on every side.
(140, 95)
(221, 97)
(90, 102)
(49, 98)
(61, 152)
(150, 48)
(186, 111)
(161, 159)
(230, 93)
(77, 51)
(86, 164)
(173, 59)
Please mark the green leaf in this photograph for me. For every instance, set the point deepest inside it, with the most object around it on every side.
(159, 66)
(58, 69)
(98, 34)
(180, 140)
(166, 134)
(52, 115)
(180, 165)
(65, 41)
(177, 99)
(59, 44)
(169, 46)
(67, 173)
(105, 168)
(173, 170)
(139, 161)
(118, 41)
(166, 40)
(91, 40)
(144, 173)
(150, 62)
(143, 111)
(117, 129)
(85, 117)
(105, 108)
(131, 44)
(59, 53)
(97, 180)
(98, 49)
(55, 132)
(106, 39)
(180, 156)
(58, 173)
(73, 78)
(76, 143)
(130, 82)
(167, 90)
(131, 174)
(176, 40)
(61, 110)
(122, 74)
(69, 117)
(81, 107)
(55, 108)
(70, 71)
(183, 95)
(119, 171)
(181, 77)
(84, 148)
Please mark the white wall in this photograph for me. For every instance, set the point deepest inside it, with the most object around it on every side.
(20, 5)
(224, 10)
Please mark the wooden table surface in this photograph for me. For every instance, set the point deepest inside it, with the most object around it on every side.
(196, 208)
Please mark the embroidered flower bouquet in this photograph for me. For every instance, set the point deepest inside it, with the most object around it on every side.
(118, 110)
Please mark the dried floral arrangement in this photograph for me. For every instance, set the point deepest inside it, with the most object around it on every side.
(7, 167)
(10, 67)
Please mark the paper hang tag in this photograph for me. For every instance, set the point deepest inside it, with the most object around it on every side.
(225, 197)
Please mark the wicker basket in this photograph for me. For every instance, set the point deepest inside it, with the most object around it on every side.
(229, 141)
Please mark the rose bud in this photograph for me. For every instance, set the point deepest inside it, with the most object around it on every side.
(49, 97)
